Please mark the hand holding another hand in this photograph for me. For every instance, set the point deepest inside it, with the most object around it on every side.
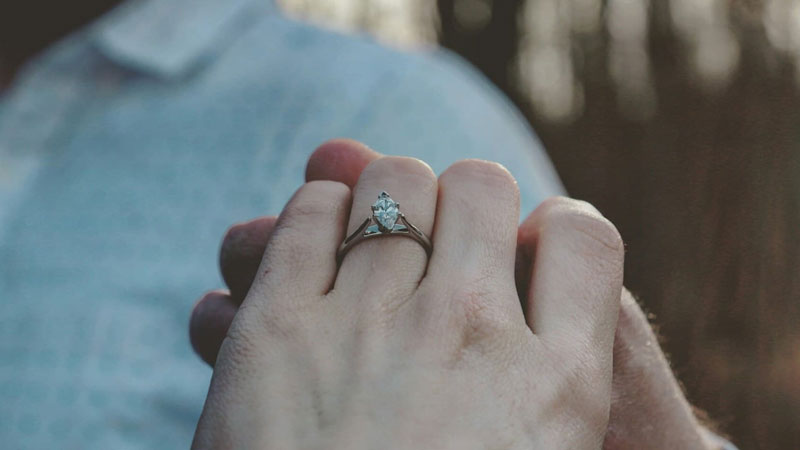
(463, 352)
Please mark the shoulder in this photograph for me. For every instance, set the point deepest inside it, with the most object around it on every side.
(428, 103)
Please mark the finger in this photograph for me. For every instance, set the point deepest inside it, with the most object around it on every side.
(644, 389)
(211, 317)
(339, 160)
(243, 246)
(394, 262)
(576, 279)
(241, 252)
(476, 228)
(300, 258)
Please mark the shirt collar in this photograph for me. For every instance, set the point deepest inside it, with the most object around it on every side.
(169, 38)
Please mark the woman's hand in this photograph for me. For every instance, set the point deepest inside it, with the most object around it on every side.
(391, 349)
(648, 409)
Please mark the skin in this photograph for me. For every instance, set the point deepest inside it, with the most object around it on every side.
(380, 351)
(648, 409)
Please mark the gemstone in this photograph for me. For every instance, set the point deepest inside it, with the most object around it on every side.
(385, 211)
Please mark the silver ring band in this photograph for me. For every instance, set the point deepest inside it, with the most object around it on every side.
(386, 220)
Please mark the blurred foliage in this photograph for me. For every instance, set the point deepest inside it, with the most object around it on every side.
(680, 120)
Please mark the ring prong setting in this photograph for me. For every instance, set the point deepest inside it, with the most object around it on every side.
(385, 212)
(385, 220)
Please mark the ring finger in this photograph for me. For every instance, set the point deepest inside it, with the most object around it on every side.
(390, 264)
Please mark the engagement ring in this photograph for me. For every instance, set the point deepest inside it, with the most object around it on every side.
(385, 220)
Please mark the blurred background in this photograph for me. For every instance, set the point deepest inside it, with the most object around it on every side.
(680, 120)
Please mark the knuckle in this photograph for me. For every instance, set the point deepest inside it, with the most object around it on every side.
(554, 204)
(413, 170)
(315, 202)
(601, 230)
(594, 233)
(490, 174)
(317, 198)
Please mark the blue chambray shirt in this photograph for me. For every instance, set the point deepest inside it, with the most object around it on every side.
(128, 148)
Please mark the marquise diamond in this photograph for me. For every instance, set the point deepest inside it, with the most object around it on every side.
(385, 211)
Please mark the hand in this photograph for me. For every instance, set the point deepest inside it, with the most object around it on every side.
(391, 349)
(648, 409)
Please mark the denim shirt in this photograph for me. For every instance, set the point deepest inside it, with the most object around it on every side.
(127, 149)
